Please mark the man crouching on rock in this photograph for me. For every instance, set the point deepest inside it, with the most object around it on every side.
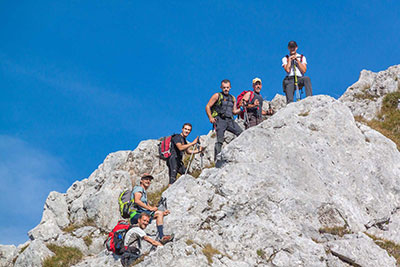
(133, 239)
(139, 194)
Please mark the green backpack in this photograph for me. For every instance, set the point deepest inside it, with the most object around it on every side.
(126, 203)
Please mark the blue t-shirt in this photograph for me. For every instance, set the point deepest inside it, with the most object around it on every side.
(143, 198)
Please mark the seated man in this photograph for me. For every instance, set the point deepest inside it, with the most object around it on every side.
(139, 195)
(295, 65)
(133, 238)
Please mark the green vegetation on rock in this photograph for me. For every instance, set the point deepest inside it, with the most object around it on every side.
(65, 256)
(389, 122)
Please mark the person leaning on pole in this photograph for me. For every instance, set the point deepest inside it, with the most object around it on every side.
(295, 65)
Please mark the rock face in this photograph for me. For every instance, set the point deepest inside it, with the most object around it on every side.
(364, 98)
(283, 191)
(309, 168)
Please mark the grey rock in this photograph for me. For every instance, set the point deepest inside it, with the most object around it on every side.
(7, 255)
(69, 240)
(258, 201)
(33, 255)
(309, 166)
(364, 98)
(359, 250)
(102, 259)
(55, 217)
(47, 230)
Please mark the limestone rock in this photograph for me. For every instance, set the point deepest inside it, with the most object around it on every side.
(364, 98)
(307, 167)
(33, 255)
(360, 250)
(280, 190)
(7, 255)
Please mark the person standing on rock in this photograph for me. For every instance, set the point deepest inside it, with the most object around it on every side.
(253, 102)
(139, 194)
(300, 65)
(220, 110)
(179, 146)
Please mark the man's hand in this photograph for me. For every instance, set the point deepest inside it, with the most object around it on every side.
(213, 120)
(293, 57)
(256, 102)
(270, 111)
(153, 208)
(166, 212)
(195, 141)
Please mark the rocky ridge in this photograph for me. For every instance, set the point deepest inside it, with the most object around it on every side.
(364, 98)
(274, 202)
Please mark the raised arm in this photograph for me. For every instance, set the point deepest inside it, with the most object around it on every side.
(182, 147)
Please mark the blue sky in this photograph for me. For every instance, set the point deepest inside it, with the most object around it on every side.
(82, 79)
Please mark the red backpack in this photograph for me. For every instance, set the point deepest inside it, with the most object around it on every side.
(115, 240)
(164, 147)
(239, 101)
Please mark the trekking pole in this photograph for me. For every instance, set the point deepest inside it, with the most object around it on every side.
(295, 82)
(191, 159)
(201, 155)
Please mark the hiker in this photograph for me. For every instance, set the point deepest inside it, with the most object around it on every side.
(252, 102)
(139, 194)
(220, 110)
(299, 62)
(179, 146)
(133, 238)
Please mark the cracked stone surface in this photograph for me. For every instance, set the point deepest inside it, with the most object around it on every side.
(364, 98)
(309, 166)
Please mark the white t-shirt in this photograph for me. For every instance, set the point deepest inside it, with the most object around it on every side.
(133, 237)
(298, 72)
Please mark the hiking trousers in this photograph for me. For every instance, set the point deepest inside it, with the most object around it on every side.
(289, 88)
(253, 121)
(222, 125)
(175, 166)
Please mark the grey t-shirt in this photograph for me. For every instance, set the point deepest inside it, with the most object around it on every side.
(133, 237)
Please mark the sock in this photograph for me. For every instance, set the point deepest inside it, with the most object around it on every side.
(160, 229)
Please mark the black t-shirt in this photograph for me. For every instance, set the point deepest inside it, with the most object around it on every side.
(178, 138)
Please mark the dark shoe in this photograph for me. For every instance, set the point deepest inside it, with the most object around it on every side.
(166, 239)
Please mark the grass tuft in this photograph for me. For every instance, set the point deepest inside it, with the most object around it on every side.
(196, 173)
(389, 126)
(88, 240)
(304, 114)
(23, 248)
(209, 252)
(337, 230)
(65, 256)
(261, 253)
(154, 197)
(72, 227)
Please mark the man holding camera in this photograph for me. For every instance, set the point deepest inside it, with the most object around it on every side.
(295, 65)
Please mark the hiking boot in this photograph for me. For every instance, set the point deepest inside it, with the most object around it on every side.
(166, 239)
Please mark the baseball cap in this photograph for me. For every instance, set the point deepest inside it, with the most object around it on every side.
(292, 44)
(256, 80)
(147, 176)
